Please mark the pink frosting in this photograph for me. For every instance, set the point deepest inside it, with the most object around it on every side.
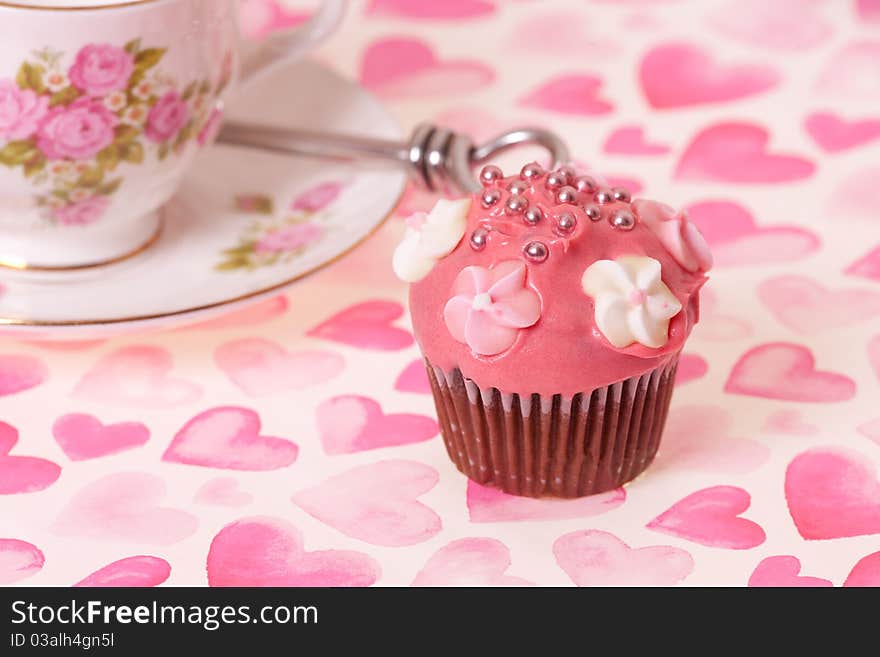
(547, 341)
(680, 237)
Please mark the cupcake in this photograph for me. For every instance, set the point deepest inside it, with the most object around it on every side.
(551, 310)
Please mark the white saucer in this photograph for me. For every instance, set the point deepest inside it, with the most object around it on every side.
(221, 207)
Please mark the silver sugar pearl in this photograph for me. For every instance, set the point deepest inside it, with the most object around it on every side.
(555, 180)
(604, 196)
(516, 205)
(586, 184)
(490, 197)
(569, 172)
(566, 194)
(593, 213)
(479, 239)
(536, 251)
(566, 223)
(518, 187)
(533, 216)
(531, 170)
(621, 194)
(623, 220)
(490, 174)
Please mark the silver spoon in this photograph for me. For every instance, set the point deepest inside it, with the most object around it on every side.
(437, 158)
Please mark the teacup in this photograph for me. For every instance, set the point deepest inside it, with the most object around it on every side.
(104, 105)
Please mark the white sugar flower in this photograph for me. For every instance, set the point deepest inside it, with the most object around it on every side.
(428, 238)
(632, 303)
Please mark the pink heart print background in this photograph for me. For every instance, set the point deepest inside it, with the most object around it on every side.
(305, 422)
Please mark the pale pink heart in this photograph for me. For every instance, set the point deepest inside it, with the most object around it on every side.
(82, 437)
(690, 367)
(772, 24)
(413, 378)
(418, 9)
(783, 571)
(486, 504)
(789, 421)
(262, 367)
(833, 493)
(851, 73)
(469, 562)
(866, 572)
(737, 153)
(137, 376)
(857, 196)
(222, 491)
(699, 438)
(679, 74)
(22, 474)
(787, 371)
(867, 266)
(18, 559)
(870, 430)
(257, 313)
(264, 551)
(259, 18)
(715, 325)
(139, 571)
(631, 140)
(835, 134)
(806, 306)
(376, 503)
(367, 325)
(596, 558)
(868, 10)
(711, 517)
(402, 67)
(575, 94)
(124, 506)
(736, 239)
(575, 36)
(19, 373)
(229, 437)
(475, 122)
(352, 423)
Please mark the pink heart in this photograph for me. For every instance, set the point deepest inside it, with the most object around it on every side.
(852, 72)
(867, 266)
(690, 367)
(413, 378)
(868, 10)
(256, 313)
(82, 437)
(576, 37)
(596, 558)
(18, 559)
(376, 503)
(222, 491)
(789, 421)
(351, 423)
(771, 24)
(699, 438)
(870, 430)
(262, 367)
(469, 562)
(737, 153)
(866, 572)
(805, 306)
(400, 67)
(229, 437)
(487, 504)
(630, 140)
(857, 195)
(19, 373)
(835, 134)
(575, 94)
(124, 506)
(22, 474)
(736, 239)
(783, 571)
(782, 370)
(140, 571)
(678, 74)
(366, 325)
(136, 376)
(418, 9)
(711, 517)
(263, 551)
(832, 493)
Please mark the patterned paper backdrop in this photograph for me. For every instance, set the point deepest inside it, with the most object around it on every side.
(176, 458)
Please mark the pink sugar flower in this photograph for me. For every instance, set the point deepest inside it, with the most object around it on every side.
(490, 306)
(21, 111)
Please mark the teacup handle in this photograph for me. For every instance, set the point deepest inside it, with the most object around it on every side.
(288, 45)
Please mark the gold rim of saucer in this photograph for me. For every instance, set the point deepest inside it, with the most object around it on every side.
(25, 267)
(115, 5)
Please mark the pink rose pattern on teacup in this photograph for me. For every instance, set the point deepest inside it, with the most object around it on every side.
(270, 240)
(71, 129)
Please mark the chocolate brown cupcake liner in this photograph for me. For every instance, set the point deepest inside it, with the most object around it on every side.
(541, 446)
